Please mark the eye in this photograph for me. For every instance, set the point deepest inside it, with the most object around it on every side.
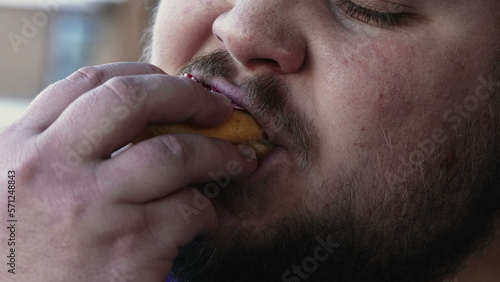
(383, 19)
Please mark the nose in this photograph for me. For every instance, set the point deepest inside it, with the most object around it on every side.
(262, 34)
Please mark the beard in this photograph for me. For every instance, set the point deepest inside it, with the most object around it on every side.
(446, 219)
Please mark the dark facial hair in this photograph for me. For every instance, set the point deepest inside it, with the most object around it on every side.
(430, 242)
(269, 97)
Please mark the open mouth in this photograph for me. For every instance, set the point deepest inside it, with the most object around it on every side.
(211, 88)
(242, 127)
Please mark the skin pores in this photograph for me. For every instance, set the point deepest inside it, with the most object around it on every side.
(393, 109)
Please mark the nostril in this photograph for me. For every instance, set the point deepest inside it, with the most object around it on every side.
(252, 64)
(267, 60)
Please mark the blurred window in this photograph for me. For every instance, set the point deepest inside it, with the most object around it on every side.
(49, 39)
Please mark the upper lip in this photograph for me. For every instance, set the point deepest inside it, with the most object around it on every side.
(238, 96)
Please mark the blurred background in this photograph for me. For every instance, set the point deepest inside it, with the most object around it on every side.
(46, 40)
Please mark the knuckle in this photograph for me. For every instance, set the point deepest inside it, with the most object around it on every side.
(126, 89)
(72, 208)
(176, 150)
(95, 75)
(124, 85)
(120, 84)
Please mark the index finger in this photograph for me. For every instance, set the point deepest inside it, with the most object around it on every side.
(51, 102)
(111, 115)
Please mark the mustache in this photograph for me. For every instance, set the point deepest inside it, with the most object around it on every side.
(217, 63)
(269, 96)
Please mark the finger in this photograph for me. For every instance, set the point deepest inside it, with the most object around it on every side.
(49, 104)
(110, 116)
(180, 218)
(157, 167)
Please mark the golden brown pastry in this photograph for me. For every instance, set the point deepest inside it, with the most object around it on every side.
(240, 128)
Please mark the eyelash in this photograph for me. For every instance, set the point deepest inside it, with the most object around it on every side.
(373, 17)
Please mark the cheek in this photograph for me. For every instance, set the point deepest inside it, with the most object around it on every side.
(384, 87)
(181, 29)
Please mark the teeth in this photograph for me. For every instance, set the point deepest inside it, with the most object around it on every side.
(188, 75)
(208, 87)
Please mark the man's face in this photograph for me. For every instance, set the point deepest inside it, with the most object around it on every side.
(384, 118)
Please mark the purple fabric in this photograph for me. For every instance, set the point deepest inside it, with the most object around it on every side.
(171, 278)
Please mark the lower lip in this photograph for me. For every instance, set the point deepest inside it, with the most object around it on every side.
(228, 89)
(278, 154)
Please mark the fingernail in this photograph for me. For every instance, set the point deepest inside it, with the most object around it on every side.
(223, 99)
(247, 151)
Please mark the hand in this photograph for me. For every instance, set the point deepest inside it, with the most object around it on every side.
(86, 216)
